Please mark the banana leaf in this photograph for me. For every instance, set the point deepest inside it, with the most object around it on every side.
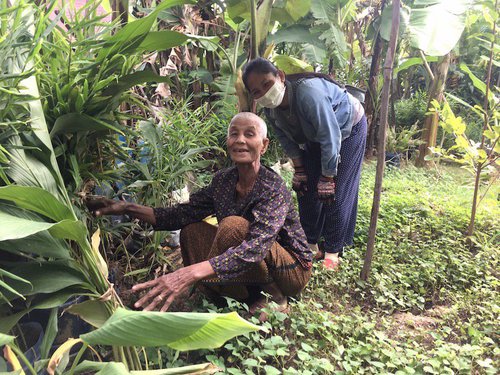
(109, 368)
(180, 331)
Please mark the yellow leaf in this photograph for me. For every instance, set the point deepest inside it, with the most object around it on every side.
(457, 124)
(461, 142)
(58, 354)
(101, 264)
(482, 155)
(211, 220)
(12, 359)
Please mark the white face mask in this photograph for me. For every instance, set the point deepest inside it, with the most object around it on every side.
(274, 96)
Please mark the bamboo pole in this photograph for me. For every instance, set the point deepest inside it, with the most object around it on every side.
(384, 112)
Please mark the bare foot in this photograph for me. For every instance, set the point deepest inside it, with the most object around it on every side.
(276, 296)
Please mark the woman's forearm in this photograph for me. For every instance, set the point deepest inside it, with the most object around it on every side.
(142, 213)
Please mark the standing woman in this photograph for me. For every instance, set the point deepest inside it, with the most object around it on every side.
(322, 129)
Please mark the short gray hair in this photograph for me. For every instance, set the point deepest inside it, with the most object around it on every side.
(251, 116)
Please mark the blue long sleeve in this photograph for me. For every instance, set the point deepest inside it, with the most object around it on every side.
(325, 112)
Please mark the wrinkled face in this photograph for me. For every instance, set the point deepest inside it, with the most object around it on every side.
(245, 143)
(260, 83)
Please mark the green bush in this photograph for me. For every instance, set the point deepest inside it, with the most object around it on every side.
(409, 111)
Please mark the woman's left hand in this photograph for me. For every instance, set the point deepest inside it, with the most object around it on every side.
(166, 288)
(326, 189)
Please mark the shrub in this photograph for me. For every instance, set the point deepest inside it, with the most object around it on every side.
(412, 110)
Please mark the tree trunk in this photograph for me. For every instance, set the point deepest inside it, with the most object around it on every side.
(120, 10)
(384, 111)
(196, 85)
(429, 134)
(372, 94)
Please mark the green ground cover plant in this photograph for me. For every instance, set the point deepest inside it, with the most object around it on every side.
(430, 306)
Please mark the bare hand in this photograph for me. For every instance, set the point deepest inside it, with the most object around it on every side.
(105, 206)
(166, 288)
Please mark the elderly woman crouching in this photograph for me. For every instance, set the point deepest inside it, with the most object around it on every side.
(258, 242)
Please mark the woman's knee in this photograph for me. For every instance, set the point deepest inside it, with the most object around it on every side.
(233, 229)
(195, 231)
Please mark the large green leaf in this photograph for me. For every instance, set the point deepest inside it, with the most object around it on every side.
(326, 14)
(14, 227)
(93, 312)
(291, 12)
(4, 285)
(130, 80)
(180, 331)
(27, 170)
(132, 35)
(41, 243)
(385, 21)
(434, 26)
(79, 122)
(437, 28)
(45, 277)
(297, 8)
(38, 200)
(291, 65)
(238, 10)
(103, 367)
(314, 54)
(43, 302)
(5, 339)
(296, 34)
(478, 84)
(162, 40)
(412, 61)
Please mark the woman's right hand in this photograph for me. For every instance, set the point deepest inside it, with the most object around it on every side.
(104, 206)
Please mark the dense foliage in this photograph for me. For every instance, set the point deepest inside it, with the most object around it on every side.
(430, 306)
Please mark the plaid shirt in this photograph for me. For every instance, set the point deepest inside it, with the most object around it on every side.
(268, 208)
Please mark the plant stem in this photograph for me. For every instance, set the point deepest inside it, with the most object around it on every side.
(77, 358)
(21, 355)
(470, 229)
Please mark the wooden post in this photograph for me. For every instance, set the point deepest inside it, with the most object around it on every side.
(384, 111)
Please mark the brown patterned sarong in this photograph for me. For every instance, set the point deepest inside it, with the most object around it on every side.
(202, 241)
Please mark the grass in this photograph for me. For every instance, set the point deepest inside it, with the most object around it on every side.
(431, 304)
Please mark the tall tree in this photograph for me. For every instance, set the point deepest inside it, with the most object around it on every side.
(431, 122)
